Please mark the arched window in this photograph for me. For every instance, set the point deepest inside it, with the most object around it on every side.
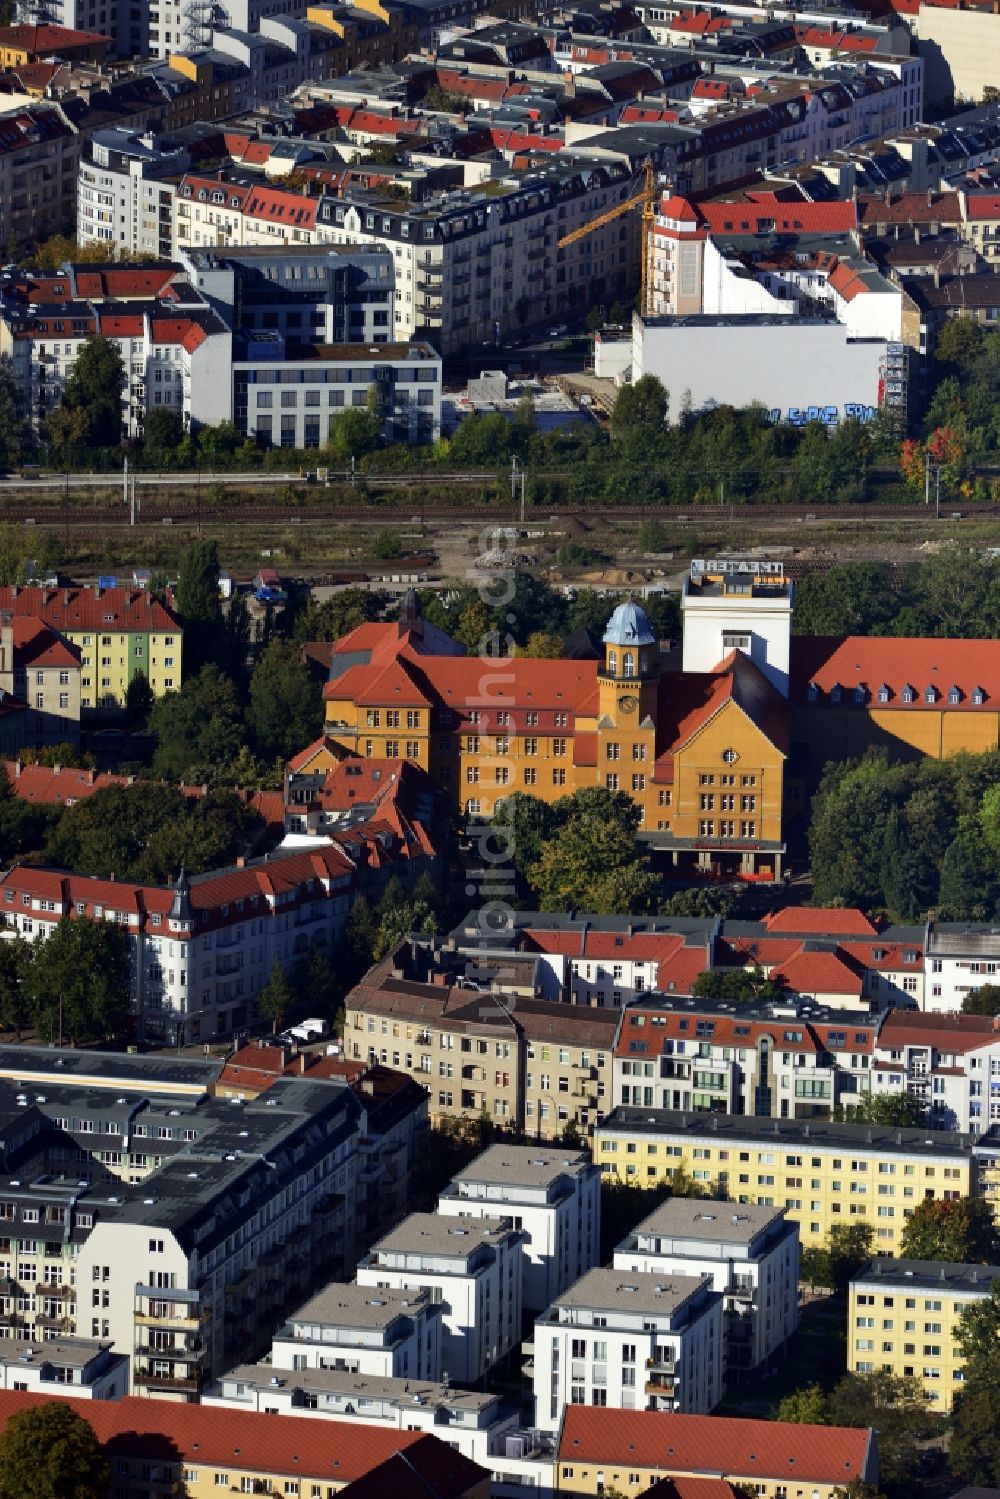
(628, 664)
(613, 662)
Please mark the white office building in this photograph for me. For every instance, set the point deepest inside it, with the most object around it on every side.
(751, 1256)
(554, 1198)
(630, 1340)
(473, 1268)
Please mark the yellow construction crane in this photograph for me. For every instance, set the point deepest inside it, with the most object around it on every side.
(646, 200)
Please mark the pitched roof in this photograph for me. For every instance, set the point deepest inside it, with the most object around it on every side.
(825, 920)
(259, 1444)
(946, 1033)
(919, 663)
(719, 1445)
(90, 608)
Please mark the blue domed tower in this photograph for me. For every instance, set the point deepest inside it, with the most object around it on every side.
(629, 675)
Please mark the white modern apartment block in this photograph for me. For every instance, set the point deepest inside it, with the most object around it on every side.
(125, 192)
(950, 1062)
(81, 1368)
(472, 1423)
(750, 1254)
(473, 1267)
(554, 1198)
(959, 957)
(359, 1330)
(630, 1340)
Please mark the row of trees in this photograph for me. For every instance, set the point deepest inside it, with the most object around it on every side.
(953, 593)
(74, 985)
(905, 836)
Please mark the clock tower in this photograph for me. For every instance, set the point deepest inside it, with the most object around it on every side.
(628, 680)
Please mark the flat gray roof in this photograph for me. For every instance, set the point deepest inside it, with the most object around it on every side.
(631, 1290)
(819, 1134)
(415, 1392)
(941, 1276)
(73, 1353)
(430, 1233)
(523, 1165)
(692, 1218)
(343, 1305)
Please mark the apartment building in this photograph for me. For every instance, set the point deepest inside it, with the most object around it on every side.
(789, 1060)
(960, 957)
(358, 1330)
(600, 1449)
(824, 1173)
(554, 1197)
(119, 633)
(81, 1368)
(950, 1062)
(204, 1450)
(471, 1423)
(39, 159)
(170, 1225)
(629, 1341)
(902, 1319)
(202, 949)
(749, 1253)
(42, 669)
(473, 1268)
(519, 1059)
(126, 191)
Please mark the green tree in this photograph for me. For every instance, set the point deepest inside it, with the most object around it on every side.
(51, 1452)
(94, 388)
(276, 998)
(593, 863)
(398, 915)
(982, 1001)
(15, 434)
(522, 825)
(286, 706)
(356, 952)
(335, 616)
(15, 1007)
(744, 985)
(849, 1246)
(139, 697)
(356, 432)
(975, 1441)
(198, 604)
(78, 982)
(652, 536)
(898, 1109)
(482, 441)
(199, 729)
(961, 1231)
(162, 435)
(641, 408)
(804, 1407)
(897, 1407)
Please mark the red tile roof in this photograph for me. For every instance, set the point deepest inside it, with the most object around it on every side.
(946, 1033)
(258, 1444)
(689, 1488)
(826, 921)
(719, 1445)
(983, 206)
(868, 663)
(35, 644)
(91, 609)
(819, 973)
(43, 40)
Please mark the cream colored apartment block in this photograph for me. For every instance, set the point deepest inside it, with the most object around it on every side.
(824, 1174)
(902, 1319)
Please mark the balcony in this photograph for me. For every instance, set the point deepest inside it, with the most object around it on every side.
(143, 1375)
(45, 1289)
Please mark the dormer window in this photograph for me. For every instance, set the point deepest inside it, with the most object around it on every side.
(859, 694)
(978, 696)
(930, 694)
(908, 695)
(954, 695)
(884, 694)
(812, 692)
(835, 693)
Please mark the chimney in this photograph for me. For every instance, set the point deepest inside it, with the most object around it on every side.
(303, 1060)
(241, 862)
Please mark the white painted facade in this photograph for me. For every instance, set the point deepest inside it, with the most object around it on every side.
(756, 620)
(360, 1330)
(473, 1268)
(554, 1198)
(631, 1341)
(958, 959)
(751, 1256)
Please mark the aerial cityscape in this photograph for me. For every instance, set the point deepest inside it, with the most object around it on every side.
(499, 749)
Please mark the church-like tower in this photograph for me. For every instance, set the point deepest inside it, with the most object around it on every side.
(629, 676)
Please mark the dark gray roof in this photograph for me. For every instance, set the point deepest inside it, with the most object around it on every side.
(820, 1133)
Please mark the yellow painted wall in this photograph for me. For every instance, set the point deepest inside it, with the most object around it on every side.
(591, 1478)
(821, 1185)
(758, 762)
(912, 1332)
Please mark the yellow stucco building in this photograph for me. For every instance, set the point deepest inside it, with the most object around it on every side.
(824, 1173)
(701, 753)
(902, 1319)
(120, 633)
